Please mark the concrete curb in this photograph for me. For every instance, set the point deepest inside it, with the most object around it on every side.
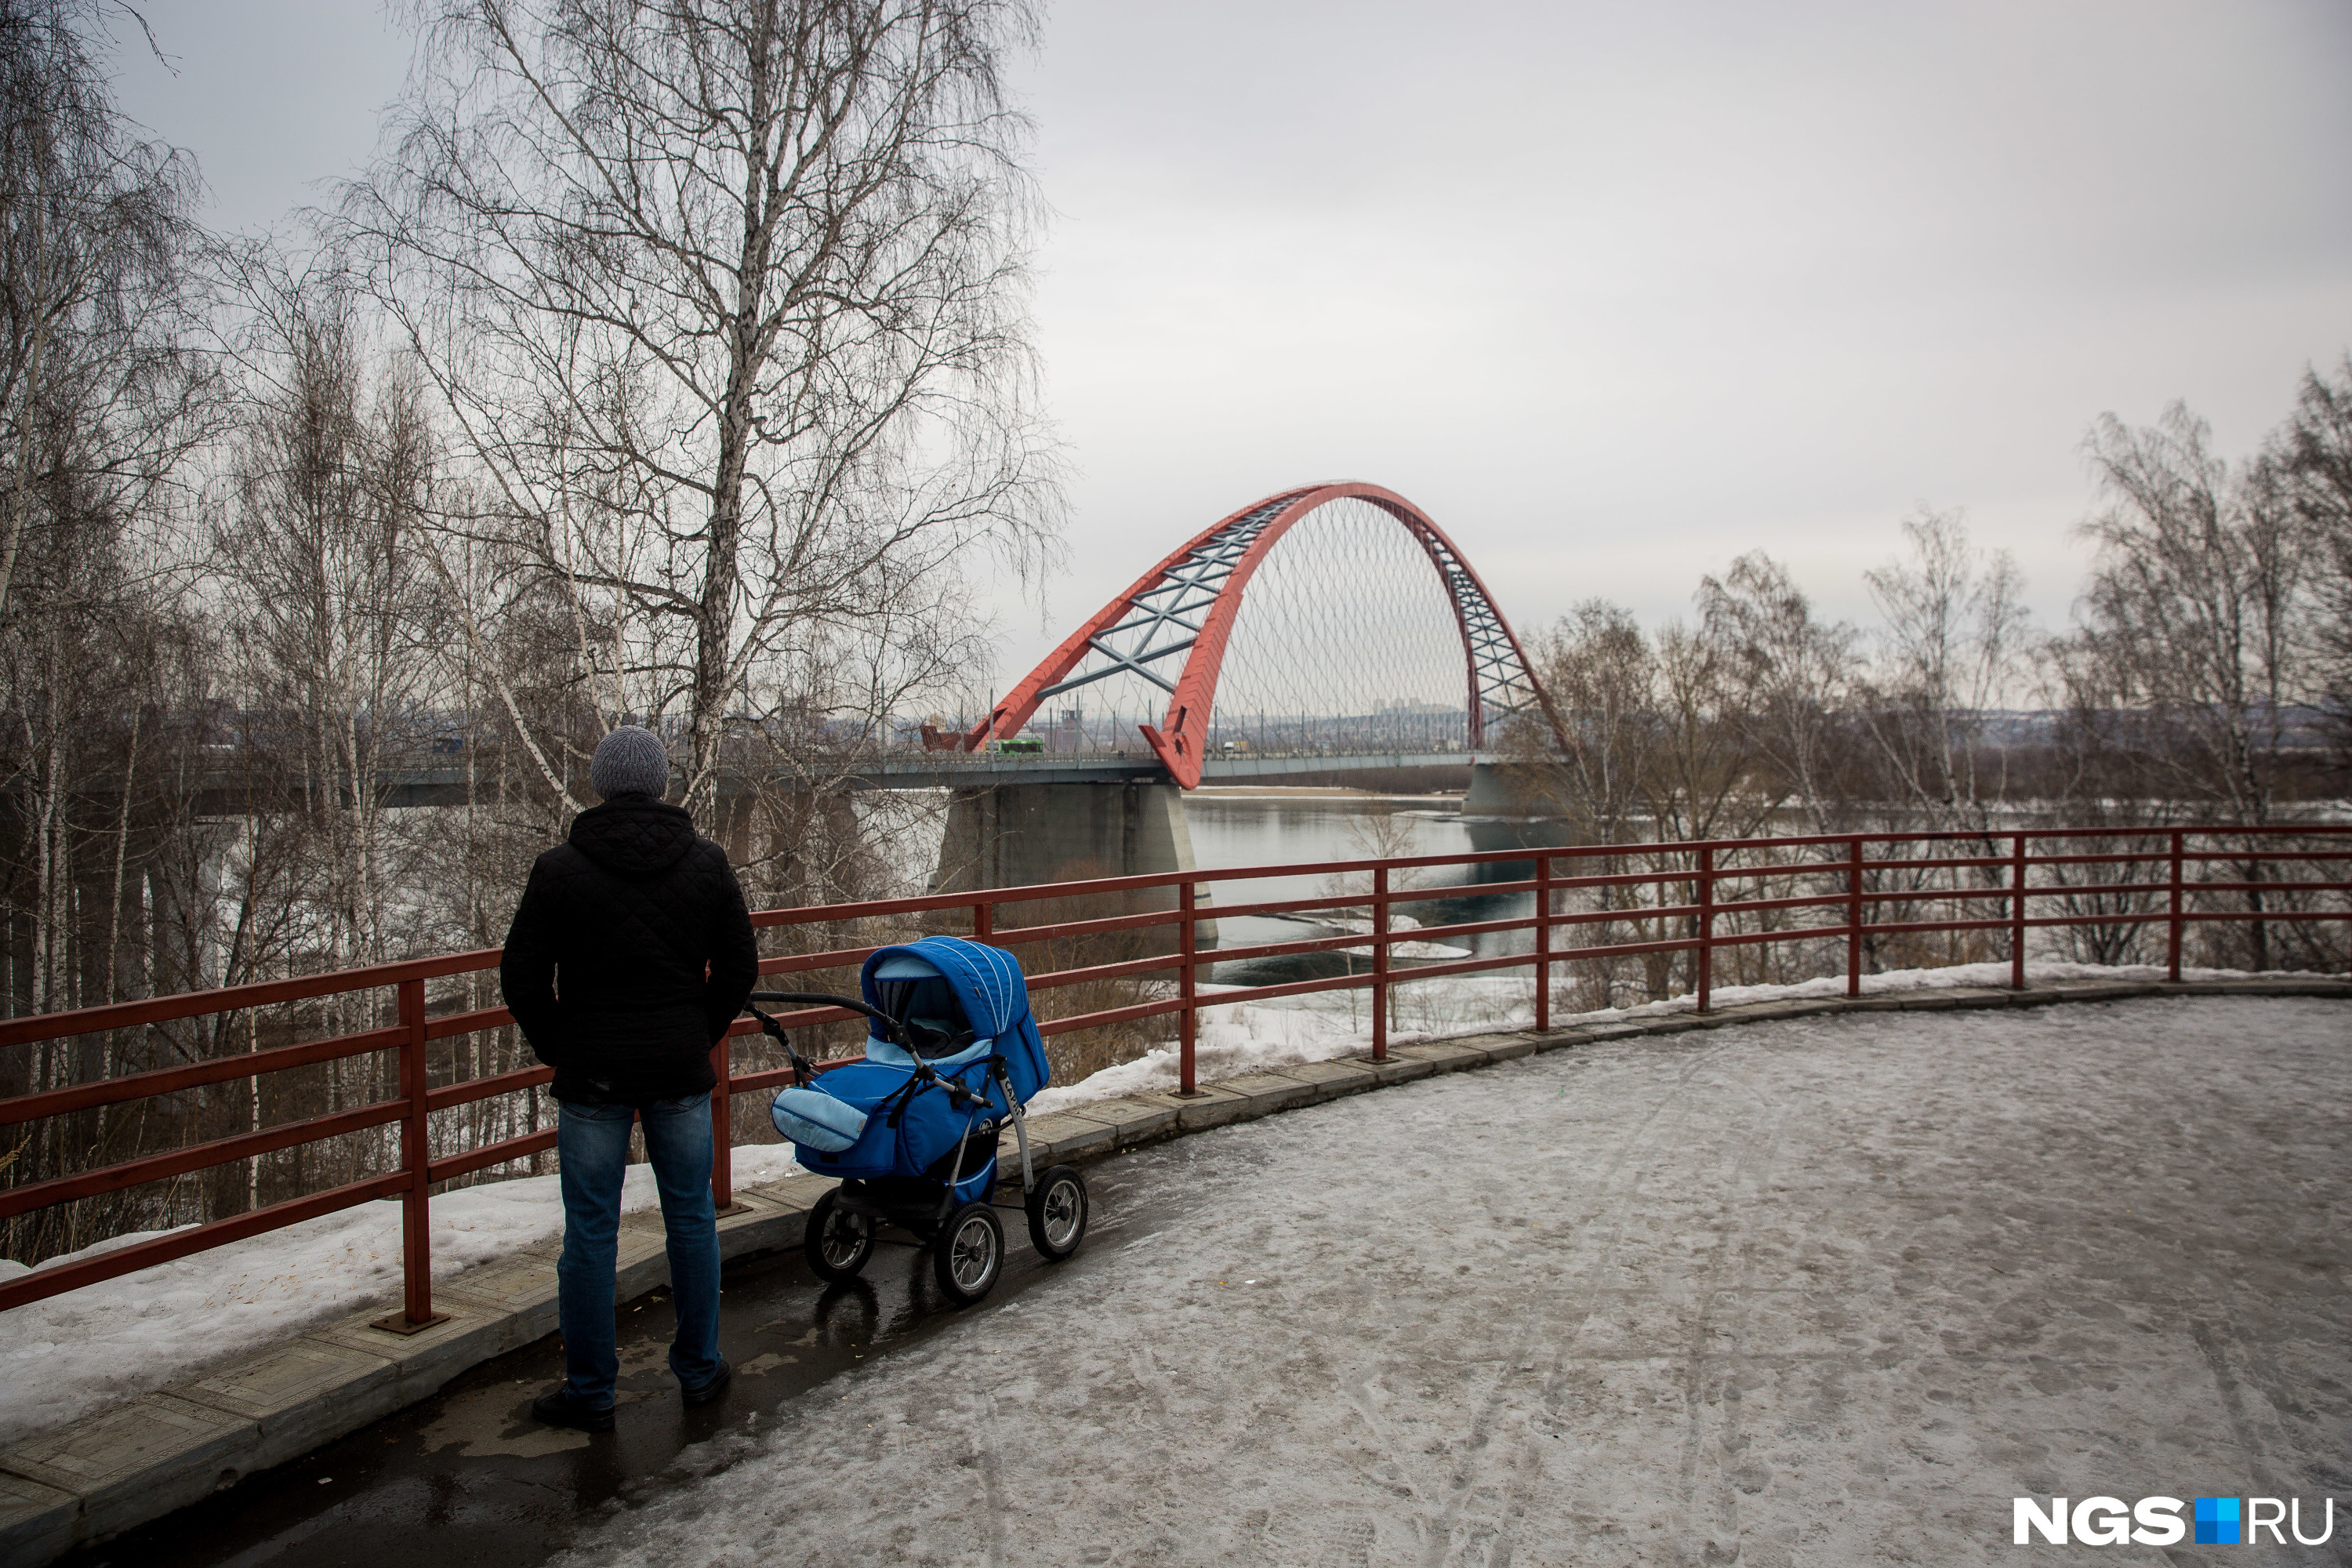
(141, 1459)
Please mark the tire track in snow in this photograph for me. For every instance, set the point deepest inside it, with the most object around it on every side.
(1758, 1147)
(1666, 1115)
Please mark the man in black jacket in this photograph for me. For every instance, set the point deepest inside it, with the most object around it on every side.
(630, 954)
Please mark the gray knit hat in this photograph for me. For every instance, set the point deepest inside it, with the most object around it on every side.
(630, 761)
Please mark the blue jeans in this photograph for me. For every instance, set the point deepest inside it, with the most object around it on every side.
(593, 1143)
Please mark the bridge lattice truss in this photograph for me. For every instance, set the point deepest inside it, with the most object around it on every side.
(1173, 627)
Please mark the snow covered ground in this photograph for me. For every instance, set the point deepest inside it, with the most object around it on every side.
(1821, 1291)
(66, 1356)
(118, 1337)
(1251, 1036)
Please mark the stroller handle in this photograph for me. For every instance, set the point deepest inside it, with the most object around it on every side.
(826, 998)
(897, 1034)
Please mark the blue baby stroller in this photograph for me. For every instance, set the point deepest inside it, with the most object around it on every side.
(952, 1053)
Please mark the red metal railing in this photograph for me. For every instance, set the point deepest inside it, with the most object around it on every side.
(2156, 878)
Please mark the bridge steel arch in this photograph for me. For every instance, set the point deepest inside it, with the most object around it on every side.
(1188, 605)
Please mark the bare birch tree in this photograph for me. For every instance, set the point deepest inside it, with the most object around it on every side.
(2192, 610)
(1954, 643)
(726, 299)
(1791, 674)
(2193, 624)
(341, 638)
(101, 398)
(1598, 668)
(2310, 463)
(96, 289)
(1650, 748)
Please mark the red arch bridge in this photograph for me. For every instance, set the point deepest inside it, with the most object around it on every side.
(1182, 624)
(1325, 633)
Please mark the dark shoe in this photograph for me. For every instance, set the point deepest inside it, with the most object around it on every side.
(557, 1410)
(696, 1398)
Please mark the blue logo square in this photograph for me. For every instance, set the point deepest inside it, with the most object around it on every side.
(2217, 1521)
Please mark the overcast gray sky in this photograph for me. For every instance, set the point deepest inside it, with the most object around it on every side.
(1614, 291)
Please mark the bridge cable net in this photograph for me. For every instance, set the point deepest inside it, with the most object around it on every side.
(1346, 644)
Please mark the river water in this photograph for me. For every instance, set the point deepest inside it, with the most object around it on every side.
(1275, 828)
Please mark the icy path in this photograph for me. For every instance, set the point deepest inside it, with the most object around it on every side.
(1826, 1292)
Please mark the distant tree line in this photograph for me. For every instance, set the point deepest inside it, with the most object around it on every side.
(2206, 680)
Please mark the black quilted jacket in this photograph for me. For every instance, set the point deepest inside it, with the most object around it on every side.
(605, 963)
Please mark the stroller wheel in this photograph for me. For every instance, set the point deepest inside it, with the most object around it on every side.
(1057, 1212)
(838, 1242)
(970, 1254)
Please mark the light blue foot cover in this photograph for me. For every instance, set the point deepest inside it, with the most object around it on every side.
(816, 1119)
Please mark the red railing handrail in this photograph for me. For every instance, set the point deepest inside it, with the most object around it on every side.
(1708, 864)
(37, 1027)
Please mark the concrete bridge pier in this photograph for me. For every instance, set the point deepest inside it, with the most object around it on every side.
(1499, 788)
(1017, 835)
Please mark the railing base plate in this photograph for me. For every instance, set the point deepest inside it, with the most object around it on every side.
(398, 1323)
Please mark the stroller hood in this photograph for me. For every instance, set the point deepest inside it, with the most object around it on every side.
(987, 983)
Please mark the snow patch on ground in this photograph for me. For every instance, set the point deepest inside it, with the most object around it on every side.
(1257, 1036)
(1228, 1041)
(1950, 976)
(64, 1357)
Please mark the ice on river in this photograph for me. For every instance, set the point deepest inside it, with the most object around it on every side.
(1823, 1290)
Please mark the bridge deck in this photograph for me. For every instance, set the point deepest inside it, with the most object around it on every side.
(969, 769)
(450, 784)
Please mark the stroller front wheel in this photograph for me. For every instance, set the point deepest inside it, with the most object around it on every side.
(1057, 1213)
(838, 1242)
(970, 1254)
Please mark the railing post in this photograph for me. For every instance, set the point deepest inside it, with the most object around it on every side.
(1705, 926)
(983, 920)
(1380, 964)
(2017, 913)
(2345, 887)
(722, 1125)
(416, 1160)
(2172, 942)
(1187, 944)
(1854, 916)
(1543, 942)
